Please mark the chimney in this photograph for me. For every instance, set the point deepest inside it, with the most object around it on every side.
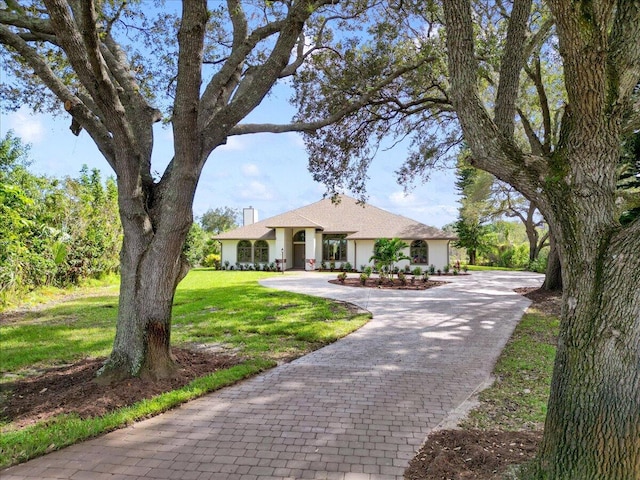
(249, 216)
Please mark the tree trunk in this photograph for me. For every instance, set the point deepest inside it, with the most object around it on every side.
(592, 429)
(472, 256)
(553, 274)
(155, 225)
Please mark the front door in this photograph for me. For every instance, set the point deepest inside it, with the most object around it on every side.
(298, 255)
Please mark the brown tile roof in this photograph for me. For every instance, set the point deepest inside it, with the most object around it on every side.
(357, 220)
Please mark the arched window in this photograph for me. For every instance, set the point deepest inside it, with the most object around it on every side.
(299, 237)
(244, 251)
(261, 252)
(419, 252)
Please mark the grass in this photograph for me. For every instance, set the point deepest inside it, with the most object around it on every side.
(518, 398)
(10, 300)
(226, 308)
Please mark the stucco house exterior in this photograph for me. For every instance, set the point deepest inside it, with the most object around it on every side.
(326, 232)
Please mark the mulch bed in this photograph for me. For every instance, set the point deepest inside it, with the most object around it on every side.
(471, 454)
(72, 389)
(546, 301)
(418, 284)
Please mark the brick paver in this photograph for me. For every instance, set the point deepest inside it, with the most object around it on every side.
(355, 410)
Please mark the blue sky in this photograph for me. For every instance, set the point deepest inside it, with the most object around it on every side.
(266, 171)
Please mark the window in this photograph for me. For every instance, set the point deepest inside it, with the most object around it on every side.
(299, 237)
(334, 248)
(244, 251)
(419, 252)
(261, 252)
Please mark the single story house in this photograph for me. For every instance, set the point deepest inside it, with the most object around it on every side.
(326, 232)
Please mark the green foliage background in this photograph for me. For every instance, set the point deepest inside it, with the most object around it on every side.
(53, 231)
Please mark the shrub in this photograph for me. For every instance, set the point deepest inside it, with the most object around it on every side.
(368, 271)
(363, 278)
(417, 272)
(342, 276)
(446, 268)
(346, 266)
(212, 260)
(402, 278)
(432, 269)
(425, 277)
(332, 266)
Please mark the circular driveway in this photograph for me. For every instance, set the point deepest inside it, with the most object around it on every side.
(357, 409)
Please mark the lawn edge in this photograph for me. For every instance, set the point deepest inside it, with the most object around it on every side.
(19, 446)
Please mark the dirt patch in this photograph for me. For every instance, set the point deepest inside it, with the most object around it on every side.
(71, 388)
(418, 284)
(546, 301)
(472, 454)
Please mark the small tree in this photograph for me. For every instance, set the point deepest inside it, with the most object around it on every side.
(387, 252)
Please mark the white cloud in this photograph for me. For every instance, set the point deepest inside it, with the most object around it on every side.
(256, 191)
(250, 170)
(26, 125)
(400, 199)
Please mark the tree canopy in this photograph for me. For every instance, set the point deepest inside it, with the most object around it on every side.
(117, 70)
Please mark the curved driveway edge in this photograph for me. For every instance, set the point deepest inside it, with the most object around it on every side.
(356, 409)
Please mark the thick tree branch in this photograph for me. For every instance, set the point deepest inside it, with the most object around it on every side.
(32, 24)
(107, 91)
(79, 110)
(301, 56)
(71, 41)
(257, 81)
(625, 54)
(223, 84)
(536, 77)
(492, 151)
(534, 43)
(120, 69)
(534, 142)
(510, 66)
(187, 147)
(364, 100)
(39, 37)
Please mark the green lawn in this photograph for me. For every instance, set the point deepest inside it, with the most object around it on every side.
(226, 308)
(518, 398)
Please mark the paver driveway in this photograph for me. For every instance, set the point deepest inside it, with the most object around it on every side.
(356, 409)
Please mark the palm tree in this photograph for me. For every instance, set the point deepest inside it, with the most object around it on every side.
(386, 252)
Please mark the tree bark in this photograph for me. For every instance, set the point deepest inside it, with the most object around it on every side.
(151, 266)
(592, 430)
(553, 274)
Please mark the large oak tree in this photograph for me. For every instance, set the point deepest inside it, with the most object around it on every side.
(593, 422)
(109, 62)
